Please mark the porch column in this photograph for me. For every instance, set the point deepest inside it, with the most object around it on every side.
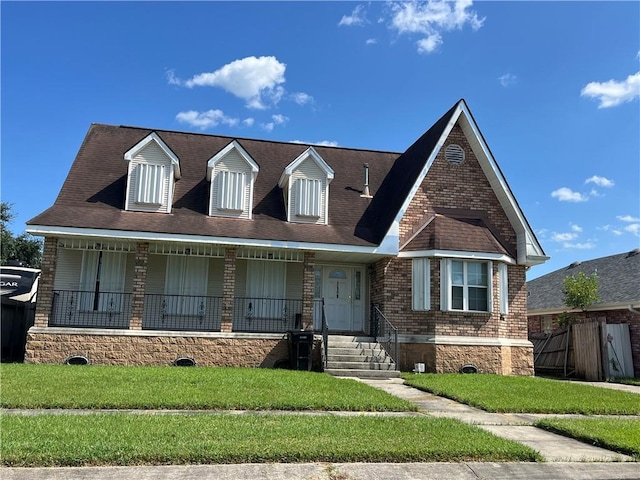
(308, 280)
(139, 285)
(44, 304)
(228, 289)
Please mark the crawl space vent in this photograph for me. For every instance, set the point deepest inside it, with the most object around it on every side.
(454, 154)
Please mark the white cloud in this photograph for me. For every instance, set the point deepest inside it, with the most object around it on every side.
(431, 18)
(371, 41)
(248, 122)
(613, 93)
(507, 79)
(357, 18)
(268, 126)
(565, 194)
(595, 193)
(600, 181)
(322, 143)
(633, 228)
(279, 119)
(302, 98)
(575, 228)
(257, 80)
(563, 237)
(579, 246)
(628, 218)
(204, 120)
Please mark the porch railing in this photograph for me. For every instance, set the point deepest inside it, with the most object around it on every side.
(182, 313)
(325, 337)
(385, 332)
(90, 309)
(273, 315)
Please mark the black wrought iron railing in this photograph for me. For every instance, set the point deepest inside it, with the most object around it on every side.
(385, 333)
(325, 337)
(86, 309)
(193, 313)
(268, 315)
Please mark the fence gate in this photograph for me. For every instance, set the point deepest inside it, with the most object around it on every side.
(618, 348)
(588, 351)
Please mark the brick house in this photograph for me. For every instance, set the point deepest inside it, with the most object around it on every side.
(165, 244)
(618, 290)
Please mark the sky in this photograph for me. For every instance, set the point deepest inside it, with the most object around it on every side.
(553, 86)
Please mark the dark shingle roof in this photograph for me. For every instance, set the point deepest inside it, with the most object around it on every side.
(618, 282)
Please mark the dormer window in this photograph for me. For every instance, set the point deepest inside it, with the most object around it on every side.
(232, 173)
(153, 169)
(305, 186)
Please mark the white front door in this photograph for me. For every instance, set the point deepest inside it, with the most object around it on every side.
(337, 297)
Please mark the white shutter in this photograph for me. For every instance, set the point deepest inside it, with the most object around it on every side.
(308, 197)
(503, 288)
(490, 287)
(150, 181)
(421, 284)
(231, 190)
(445, 284)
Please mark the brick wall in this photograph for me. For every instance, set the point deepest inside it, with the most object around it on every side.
(228, 289)
(308, 281)
(139, 285)
(45, 283)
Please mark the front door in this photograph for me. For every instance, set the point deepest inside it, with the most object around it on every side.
(337, 298)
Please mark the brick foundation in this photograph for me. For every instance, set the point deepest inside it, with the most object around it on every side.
(54, 346)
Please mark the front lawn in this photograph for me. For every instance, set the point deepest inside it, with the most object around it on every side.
(627, 381)
(136, 439)
(620, 435)
(93, 387)
(498, 393)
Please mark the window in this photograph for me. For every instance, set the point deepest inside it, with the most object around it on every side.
(503, 288)
(308, 197)
(231, 190)
(265, 289)
(150, 182)
(466, 285)
(102, 281)
(420, 286)
(186, 285)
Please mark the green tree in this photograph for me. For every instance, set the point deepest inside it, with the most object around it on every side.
(25, 247)
(580, 291)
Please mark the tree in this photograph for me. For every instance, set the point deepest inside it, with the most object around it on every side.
(580, 292)
(25, 247)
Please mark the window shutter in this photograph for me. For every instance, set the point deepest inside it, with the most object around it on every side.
(421, 284)
(308, 197)
(445, 284)
(503, 288)
(231, 190)
(150, 181)
(490, 287)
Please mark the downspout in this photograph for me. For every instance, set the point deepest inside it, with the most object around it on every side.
(634, 310)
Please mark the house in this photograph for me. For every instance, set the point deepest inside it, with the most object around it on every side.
(618, 290)
(165, 244)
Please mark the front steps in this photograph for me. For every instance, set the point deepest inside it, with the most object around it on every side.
(360, 357)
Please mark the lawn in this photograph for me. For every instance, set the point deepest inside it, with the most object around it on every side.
(497, 393)
(198, 388)
(136, 439)
(627, 381)
(620, 435)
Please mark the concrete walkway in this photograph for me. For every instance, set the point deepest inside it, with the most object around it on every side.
(568, 459)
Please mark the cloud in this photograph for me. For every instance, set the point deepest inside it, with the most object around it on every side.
(507, 79)
(633, 228)
(563, 237)
(248, 122)
(565, 194)
(322, 143)
(357, 18)
(371, 41)
(279, 119)
(600, 181)
(268, 126)
(257, 80)
(579, 246)
(430, 19)
(628, 218)
(575, 228)
(613, 93)
(204, 120)
(302, 98)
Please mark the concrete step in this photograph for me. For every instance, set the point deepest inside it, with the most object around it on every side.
(357, 358)
(355, 351)
(364, 373)
(340, 344)
(359, 366)
(352, 339)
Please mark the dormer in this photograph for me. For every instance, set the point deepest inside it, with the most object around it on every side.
(153, 170)
(305, 186)
(232, 173)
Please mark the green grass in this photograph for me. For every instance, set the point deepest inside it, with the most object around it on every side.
(136, 439)
(620, 435)
(497, 393)
(64, 386)
(627, 381)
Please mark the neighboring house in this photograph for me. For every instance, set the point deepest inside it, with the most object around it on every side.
(166, 244)
(618, 290)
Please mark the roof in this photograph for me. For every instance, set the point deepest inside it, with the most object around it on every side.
(618, 283)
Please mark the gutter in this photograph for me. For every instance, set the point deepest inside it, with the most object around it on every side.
(634, 310)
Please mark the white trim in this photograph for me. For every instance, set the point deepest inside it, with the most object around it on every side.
(308, 153)
(153, 137)
(110, 332)
(592, 308)
(234, 145)
(462, 340)
(41, 230)
(499, 257)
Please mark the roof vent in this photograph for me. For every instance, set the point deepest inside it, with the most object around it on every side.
(575, 264)
(365, 192)
(454, 154)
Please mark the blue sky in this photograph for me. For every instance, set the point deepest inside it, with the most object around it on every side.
(554, 87)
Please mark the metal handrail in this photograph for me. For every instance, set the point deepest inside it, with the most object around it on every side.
(325, 337)
(381, 327)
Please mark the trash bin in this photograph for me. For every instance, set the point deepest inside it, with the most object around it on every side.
(300, 349)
